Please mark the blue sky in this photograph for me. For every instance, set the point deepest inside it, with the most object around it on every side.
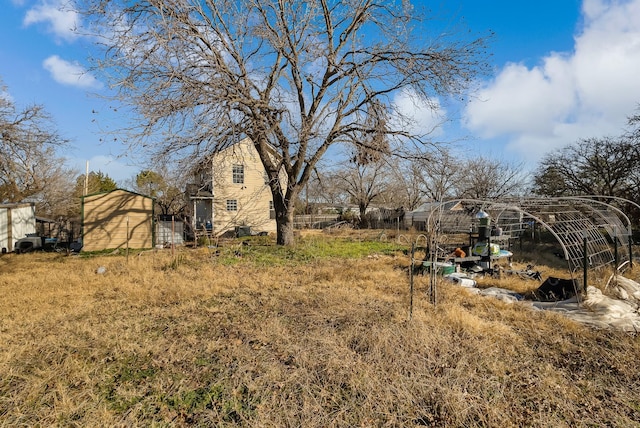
(562, 70)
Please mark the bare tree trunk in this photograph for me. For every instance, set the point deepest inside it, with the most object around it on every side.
(364, 220)
(285, 209)
(285, 233)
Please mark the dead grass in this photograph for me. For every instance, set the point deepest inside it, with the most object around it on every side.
(204, 339)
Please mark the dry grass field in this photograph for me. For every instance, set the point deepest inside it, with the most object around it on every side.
(312, 336)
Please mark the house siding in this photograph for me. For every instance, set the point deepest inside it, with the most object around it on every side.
(253, 196)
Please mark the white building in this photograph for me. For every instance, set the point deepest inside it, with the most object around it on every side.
(16, 221)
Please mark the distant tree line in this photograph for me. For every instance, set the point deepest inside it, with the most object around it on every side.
(31, 171)
(606, 166)
(406, 183)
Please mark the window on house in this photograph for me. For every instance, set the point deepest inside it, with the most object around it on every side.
(238, 174)
(272, 211)
(232, 205)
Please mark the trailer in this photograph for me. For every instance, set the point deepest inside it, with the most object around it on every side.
(16, 221)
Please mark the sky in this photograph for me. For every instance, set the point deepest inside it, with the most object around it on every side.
(561, 70)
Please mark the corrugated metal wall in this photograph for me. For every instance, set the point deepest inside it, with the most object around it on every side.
(168, 233)
(16, 221)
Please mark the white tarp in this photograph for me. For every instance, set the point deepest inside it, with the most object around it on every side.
(618, 307)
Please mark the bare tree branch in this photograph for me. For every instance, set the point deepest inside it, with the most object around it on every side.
(30, 170)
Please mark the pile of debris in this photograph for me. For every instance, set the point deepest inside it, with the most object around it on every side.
(617, 307)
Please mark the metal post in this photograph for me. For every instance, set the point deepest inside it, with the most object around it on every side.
(630, 247)
(520, 241)
(413, 250)
(127, 239)
(489, 252)
(585, 264)
(615, 249)
(86, 180)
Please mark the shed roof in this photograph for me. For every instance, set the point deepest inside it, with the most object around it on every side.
(116, 190)
(17, 205)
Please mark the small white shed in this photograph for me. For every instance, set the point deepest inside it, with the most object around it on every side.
(16, 221)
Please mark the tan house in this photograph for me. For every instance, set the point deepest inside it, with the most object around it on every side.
(117, 219)
(231, 192)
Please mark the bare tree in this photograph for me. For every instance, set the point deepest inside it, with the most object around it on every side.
(594, 166)
(438, 174)
(363, 183)
(55, 199)
(299, 77)
(402, 185)
(30, 170)
(164, 187)
(324, 188)
(490, 178)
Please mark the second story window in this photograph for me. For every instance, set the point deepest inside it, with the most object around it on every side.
(238, 174)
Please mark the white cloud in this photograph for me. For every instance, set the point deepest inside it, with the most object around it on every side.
(424, 116)
(70, 73)
(60, 20)
(523, 100)
(585, 93)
